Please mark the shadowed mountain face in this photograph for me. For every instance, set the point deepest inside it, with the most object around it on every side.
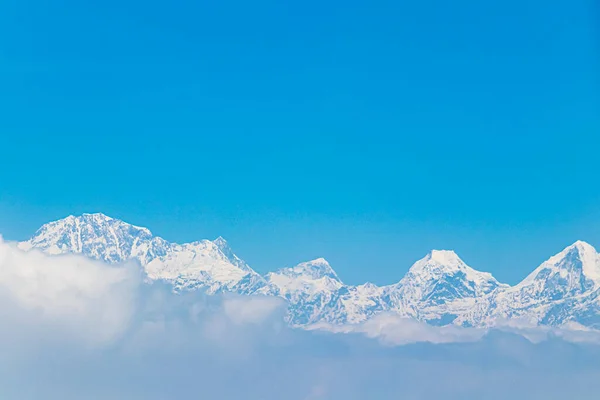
(439, 289)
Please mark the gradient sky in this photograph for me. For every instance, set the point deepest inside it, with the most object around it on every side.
(364, 132)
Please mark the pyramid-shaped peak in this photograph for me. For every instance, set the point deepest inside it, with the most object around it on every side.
(224, 247)
(441, 277)
(369, 285)
(440, 263)
(221, 242)
(579, 250)
(577, 262)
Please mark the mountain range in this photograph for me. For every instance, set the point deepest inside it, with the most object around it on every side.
(439, 289)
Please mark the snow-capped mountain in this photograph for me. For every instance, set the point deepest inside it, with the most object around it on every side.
(563, 289)
(316, 294)
(361, 302)
(100, 237)
(204, 265)
(439, 289)
(311, 288)
(208, 265)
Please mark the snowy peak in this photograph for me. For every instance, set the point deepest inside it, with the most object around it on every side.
(97, 236)
(574, 270)
(437, 262)
(579, 255)
(312, 290)
(440, 286)
(221, 243)
(441, 263)
(563, 289)
(314, 269)
(201, 264)
(445, 257)
(309, 277)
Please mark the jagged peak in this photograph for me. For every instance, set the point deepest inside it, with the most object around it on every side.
(97, 215)
(222, 244)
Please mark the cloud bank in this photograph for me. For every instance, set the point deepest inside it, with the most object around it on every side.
(74, 328)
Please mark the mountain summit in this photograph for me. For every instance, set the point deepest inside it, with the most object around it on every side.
(439, 287)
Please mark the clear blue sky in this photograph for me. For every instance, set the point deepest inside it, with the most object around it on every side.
(366, 132)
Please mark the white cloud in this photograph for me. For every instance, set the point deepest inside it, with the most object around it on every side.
(89, 299)
(251, 310)
(391, 329)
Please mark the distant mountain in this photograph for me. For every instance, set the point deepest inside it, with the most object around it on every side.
(563, 290)
(311, 288)
(439, 289)
(316, 294)
(205, 264)
(99, 237)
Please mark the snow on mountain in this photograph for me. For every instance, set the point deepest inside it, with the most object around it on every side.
(564, 289)
(308, 277)
(311, 289)
(440, 287)
(204, 264)
(100, 237)
(316, 294)
(361, 302)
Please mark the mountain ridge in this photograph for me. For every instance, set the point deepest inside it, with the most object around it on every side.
(439, 289)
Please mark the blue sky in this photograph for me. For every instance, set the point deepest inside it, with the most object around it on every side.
(364, 132)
